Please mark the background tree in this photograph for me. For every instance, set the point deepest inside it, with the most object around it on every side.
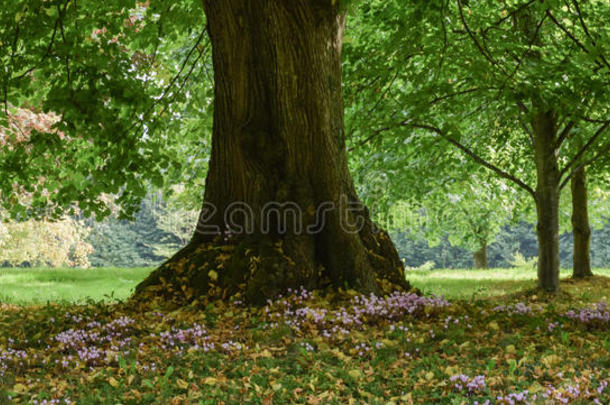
(60, 243)
(478, 66)
(419, 187)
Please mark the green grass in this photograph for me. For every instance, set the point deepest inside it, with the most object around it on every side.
(466, 284)
(39, 285)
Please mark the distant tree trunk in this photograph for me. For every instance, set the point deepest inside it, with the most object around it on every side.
(480, 256)
(580, 226)
(547, 199)
(278, 138)
(544, 131)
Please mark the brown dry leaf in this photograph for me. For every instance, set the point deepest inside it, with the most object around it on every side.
(113, 382)
(551, 360)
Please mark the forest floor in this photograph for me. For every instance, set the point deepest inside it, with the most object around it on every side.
(520, 347)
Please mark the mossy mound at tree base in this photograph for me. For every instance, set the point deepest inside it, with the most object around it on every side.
(252, 269)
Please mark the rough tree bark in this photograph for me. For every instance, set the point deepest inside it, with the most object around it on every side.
(580, 226)
(547, 199)
(480, 256)
(278, 136)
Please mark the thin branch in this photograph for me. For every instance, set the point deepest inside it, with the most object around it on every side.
(377, 132)
(477, 158)
(586, 30)
(582, 22)
(582, 150)
(565, 30)
(63, 36)
(584, 164)
(180, 87)
(385, 91)
(185, 79)
(574, 39)
(592, 120)
(46, 54)
(509, 15)
(457, 93)
(527, 131)
(522, 107)
(406, 122)
(171, 83)
(564, 134)
(483, 51)
(442, 58)
(522, 58)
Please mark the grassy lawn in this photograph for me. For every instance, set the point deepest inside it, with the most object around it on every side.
(466, 284)
(39, 285)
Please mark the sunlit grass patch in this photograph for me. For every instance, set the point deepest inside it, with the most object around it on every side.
(469, 284)
(39, 285)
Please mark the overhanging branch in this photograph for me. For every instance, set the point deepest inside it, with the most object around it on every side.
(575, 40)
(477, 158)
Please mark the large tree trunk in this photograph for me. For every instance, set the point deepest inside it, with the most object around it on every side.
(480, 256)
(547, 199)
(580, 226)
(278, 138)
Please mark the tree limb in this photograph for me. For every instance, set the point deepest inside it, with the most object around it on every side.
(449, 95)
(599, 154)
(574, 39)
(509, 15)
(377, 132)
(582, 150)
(587, 33)
(477, 158)
(63, 36)
(564, 134)
(483, 51)
(522, 107)
(522, 58)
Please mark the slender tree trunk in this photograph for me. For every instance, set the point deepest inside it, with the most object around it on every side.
(547, 199)
(480, 256)
(580, 226)
(278, 138)
(544, 126)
